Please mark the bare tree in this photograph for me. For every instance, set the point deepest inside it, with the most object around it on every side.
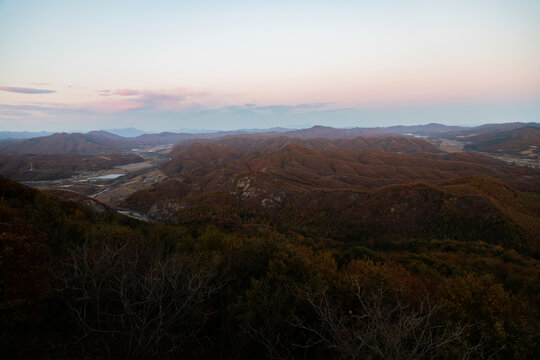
(386, 328)
(136, 300)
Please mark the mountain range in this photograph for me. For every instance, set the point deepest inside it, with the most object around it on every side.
(513, 138)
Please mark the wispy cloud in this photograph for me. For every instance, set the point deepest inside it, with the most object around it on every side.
(167, 101)
(276, 108)
(126, 92)
(105, 92)
(118, 92)
(160, 107)
(24, 90)
(12, 113)
(149, 100)
(30, 106)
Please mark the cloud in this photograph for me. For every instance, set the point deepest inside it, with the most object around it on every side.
(151, 107)
(13, 113)
(27, 107)
(126, 92)
(129, 100)
(313, 105)
(23, 90)
(276, 109)
(119, 92)
(104, 92)
(125, 102)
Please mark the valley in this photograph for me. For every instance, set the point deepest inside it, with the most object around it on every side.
(111, 186)
(284, 163)
(527, 158)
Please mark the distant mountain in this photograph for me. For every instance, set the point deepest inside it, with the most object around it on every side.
(501, 127)
(22, 134)
(331, 133)
(240, 131)
(429, 130)
(165, 138)
(107, 141)
(63, 143)
(274, 129)
(106, 134)
(126, 132)
(522, 141)
(195, 131)
(422, 130)
(94, 142)
(465, 133)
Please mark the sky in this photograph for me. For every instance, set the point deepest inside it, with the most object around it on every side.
(160, 65)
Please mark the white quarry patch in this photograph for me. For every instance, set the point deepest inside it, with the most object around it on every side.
(267, 203)
(164, 210)
(246, 189)
(273, 202)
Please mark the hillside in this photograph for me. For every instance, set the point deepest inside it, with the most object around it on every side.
(227, 263)
(391, 191)
(359, 163)
(269, 143)
(237, 147)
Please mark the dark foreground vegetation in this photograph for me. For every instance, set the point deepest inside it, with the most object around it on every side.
(79, 284)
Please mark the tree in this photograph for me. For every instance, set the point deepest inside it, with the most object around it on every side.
(135, 300)
(380, 325)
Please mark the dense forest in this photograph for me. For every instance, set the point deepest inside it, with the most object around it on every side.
(229, 282)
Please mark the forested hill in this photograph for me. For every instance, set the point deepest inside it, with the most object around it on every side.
(76, 283)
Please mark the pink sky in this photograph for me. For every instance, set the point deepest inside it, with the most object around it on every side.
(85, 65)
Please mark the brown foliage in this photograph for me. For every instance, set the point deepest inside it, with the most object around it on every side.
(24, 271)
